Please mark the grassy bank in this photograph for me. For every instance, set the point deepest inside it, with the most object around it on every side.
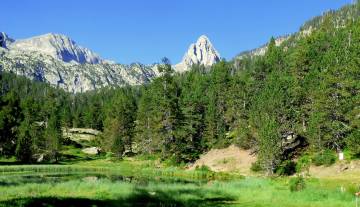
(131, 167)
(103, 192)
(148, 183)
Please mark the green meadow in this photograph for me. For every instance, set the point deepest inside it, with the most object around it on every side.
(139, 182)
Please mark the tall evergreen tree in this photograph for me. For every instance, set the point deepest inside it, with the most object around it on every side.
(120, 122)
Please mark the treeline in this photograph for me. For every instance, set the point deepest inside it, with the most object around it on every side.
(304, 91)
(340, 17)
(298, 98)
(30, 118)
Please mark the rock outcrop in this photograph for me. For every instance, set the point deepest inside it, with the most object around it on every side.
(57, 46)
(91, 150)
(202, 52)
(261, 50)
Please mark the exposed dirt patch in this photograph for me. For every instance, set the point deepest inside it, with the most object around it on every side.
(225, 160)
(339, 170)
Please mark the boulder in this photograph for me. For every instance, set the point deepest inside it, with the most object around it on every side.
(91, 150)
(39, 157)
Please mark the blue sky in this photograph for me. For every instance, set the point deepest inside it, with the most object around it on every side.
(144, 31)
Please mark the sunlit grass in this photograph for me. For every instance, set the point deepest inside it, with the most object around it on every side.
(152, 184)
(245, 192)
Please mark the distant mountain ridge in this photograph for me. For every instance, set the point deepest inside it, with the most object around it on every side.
(339, 18)
(58, 60)
(262, 50)
(57, 46)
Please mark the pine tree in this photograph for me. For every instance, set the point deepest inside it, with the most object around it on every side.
(53, 137)
(217, 93)
(147, 130)
(120, 122)
(24, 151)
(192, 103)
(170, 114)
(10, 118)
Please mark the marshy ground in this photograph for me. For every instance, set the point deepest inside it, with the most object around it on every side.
(97, 181)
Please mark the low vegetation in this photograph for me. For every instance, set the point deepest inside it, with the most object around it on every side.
(139, 182)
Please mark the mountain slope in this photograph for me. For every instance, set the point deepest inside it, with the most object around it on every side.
(58, 60)
(338, 18)
(57, 46)
(74, 77)
(261, 50)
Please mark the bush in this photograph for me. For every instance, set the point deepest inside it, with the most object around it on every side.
(326, 158)
(147, 156)
(243, 137)
(297, 184)
(286, 168)
(109, 155)
(203, 168)
(256, 167)
(303, 164)
(170, 162)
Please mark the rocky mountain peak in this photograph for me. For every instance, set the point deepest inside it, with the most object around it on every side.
(203, 39)
(57, 46)
(202, 52)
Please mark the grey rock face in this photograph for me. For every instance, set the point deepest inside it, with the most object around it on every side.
(59, 61)
(75, 78)
(261, 50)
(91, 150)
(57, 46)
(202, 52)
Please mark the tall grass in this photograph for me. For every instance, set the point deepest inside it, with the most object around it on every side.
(171, 186)
(124, 168)
(245, 192)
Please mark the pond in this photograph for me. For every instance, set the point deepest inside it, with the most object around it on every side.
(39, 178)
(89, 189)
(107, 189)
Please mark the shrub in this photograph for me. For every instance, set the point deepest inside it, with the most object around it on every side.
(203, 168)
(297, 184)
(109, 155)
(256, 167)
(170, 162)
(303, 163)
(243, 137)
(286, 168)
(326, 158)
(147, 156)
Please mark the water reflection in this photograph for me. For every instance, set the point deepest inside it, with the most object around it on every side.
(14, 180)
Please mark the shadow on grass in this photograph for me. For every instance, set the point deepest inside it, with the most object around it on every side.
(11, 163)
(64, 160)
(141, 198)
(73, 159)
